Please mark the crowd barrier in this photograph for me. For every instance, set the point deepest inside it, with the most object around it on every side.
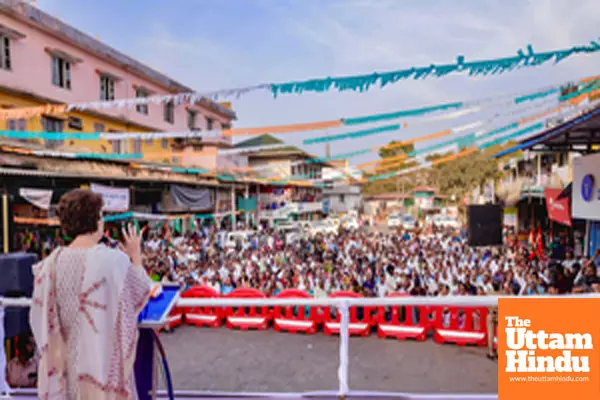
(447, 324)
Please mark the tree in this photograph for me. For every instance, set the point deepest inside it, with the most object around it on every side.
(395, 149)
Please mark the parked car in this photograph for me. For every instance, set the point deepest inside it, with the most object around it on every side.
(351, 224)
(237, 239)
(291, 230)
(394, 221)
(445, 222)
(408, 222)
(323, 228)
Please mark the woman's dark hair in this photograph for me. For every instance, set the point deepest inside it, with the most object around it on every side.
(79, 211)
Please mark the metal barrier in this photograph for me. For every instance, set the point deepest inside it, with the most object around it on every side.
(343, 305)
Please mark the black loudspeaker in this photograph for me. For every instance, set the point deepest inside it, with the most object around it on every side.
(7, 225)
(16, 281)
(485, 225)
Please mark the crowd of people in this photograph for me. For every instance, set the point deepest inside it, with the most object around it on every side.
(368, 261)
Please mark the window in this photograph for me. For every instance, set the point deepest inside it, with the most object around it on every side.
(137, 145)
(16, 124)
(61, 73)
(141, 94)
(191, 119)
(225, 126)
(107, 88)
(169, 112)
(175, 160)
(117, 146)
(5, 53)
(164, 143)
(53, 125)
(98, 127)
(342, 198)
(209, 123)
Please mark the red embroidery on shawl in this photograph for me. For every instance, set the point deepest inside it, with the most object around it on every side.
(83, 301)
(95, 304)
(121, 389)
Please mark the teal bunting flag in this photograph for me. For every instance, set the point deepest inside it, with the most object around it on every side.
(536, 96)
(110, 156)
(485, 67)
(49, 135)
(190, 170)
(514, 135)
(118, 217)
(353, 135)
(404, 113)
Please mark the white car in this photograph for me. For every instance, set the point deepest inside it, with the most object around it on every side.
(323, 228)
(351, 224)
(334, 222)
(238, 237)
(443, 222)
(394, 221)
(408, 223)
(291, 231)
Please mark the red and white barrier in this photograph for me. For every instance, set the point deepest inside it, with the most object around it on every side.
(203, 316)
(293, 318)
(247, 317)
(356, 326)
(402, 322)
(460, 325)
(175, 318)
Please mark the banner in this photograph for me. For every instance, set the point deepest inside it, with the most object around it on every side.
(192, 198)
(559, 210)
(115, 199)
(38, 197)
(511, 217)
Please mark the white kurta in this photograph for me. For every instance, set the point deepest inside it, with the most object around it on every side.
(84, 319)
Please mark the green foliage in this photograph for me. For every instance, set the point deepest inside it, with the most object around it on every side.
(404, 149)
(456, 177)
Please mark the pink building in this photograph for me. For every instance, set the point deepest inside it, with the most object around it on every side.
(44, 60)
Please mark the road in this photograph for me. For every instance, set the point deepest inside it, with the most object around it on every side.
(269, 361)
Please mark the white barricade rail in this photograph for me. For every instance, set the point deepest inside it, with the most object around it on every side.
(343, 305)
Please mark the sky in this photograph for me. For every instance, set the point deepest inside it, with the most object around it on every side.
(217, 44)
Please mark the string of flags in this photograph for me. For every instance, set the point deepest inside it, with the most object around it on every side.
(523, 59)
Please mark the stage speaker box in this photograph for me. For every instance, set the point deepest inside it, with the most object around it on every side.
(16, 281)
(7, 225)
(484, 225)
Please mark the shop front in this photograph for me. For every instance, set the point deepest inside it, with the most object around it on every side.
(586, 197)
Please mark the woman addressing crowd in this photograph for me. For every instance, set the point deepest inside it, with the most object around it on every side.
(86, 300)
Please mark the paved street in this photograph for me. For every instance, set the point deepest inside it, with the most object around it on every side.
(226, 360)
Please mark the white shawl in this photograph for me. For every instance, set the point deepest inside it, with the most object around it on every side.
(109, 305)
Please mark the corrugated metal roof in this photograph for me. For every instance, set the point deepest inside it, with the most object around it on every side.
(53, 174)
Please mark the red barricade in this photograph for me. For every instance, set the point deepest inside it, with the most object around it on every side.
(175, 318)
(402, 322)
(356, 326)
(460, 325)
(247, 317)
(203, 316)
(293, 318)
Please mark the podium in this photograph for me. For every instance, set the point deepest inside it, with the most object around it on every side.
(152, 318)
